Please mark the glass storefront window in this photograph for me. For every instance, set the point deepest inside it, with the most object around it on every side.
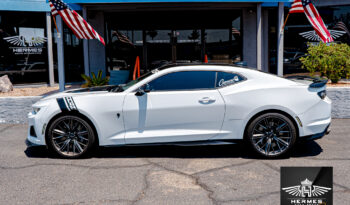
(161, 37)
(23, 47)
(123, 48)
(188, 45)
(159, 47)
(73, 55)
(299, 32)
(224, 45)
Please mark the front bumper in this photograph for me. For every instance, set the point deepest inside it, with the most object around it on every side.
(36, 133)
(31, 144)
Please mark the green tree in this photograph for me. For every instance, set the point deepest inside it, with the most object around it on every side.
(332, 61)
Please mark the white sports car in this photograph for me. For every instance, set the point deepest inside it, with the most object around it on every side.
(181, 104)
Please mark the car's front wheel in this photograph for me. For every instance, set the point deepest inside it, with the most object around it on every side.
(271, 135)
(70, 136)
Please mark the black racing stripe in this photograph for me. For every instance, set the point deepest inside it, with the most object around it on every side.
(62, 104)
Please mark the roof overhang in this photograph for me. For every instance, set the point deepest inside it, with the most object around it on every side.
(43, 6)
(167, 1)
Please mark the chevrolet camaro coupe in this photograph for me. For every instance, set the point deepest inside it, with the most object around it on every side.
(185, 104)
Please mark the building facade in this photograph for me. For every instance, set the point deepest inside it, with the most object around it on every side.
(158, 32)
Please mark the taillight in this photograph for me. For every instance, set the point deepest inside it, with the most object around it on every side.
(322, 94)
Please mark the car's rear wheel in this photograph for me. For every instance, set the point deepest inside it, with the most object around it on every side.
(70, 136)
(271, 135)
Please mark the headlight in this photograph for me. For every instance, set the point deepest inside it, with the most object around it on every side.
(36, 110)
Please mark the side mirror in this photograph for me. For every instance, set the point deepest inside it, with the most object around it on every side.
(147, 88)
(143, 90)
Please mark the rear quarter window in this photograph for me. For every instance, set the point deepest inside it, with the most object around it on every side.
(224, 79)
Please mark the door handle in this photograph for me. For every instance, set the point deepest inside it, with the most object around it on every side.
(207, 100)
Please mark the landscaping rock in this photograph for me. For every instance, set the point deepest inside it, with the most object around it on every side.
(5, 84)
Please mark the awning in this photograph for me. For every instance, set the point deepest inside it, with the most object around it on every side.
(30, 5)
(24, 5)
(167, 1)
(43, 6)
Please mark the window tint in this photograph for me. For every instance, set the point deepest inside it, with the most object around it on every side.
(185, 80)
(225, 79)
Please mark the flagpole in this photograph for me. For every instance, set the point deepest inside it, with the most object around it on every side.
(285, 22)
(58, 32)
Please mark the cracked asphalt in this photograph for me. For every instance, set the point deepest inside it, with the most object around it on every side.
(161, 175)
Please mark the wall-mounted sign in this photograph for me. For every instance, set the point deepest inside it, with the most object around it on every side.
(29, 41)
(312, 35)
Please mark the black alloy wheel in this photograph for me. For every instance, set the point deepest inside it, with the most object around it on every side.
(70, 137)
(271, 135)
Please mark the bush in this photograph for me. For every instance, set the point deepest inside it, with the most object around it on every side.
(332, 61)
(94, 80)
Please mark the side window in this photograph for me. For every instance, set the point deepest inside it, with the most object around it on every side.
(184, 80)
(226, 79)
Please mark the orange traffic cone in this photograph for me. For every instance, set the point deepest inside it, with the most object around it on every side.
(205, 58)
(136, 68)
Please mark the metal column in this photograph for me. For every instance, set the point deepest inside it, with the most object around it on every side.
(258, 37)
(50, 49)
(60, 53)
(280, 39)
(86, 49)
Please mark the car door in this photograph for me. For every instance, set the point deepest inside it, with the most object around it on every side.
(181, 106)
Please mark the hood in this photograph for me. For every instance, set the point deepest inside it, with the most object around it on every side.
(80, 92)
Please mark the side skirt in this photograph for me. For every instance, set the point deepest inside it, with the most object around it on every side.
(191, 143)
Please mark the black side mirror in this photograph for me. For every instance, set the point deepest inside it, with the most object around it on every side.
(143, 90)
(140, 92)
(147, 88)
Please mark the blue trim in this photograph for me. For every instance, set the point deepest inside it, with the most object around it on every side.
(75, 7)
(16, 5)
(164, 1)
(275, 4)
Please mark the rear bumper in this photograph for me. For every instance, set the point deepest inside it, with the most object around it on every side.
(317, 136)
(316, 120)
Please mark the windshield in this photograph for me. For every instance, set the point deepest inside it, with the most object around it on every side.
(133, 82)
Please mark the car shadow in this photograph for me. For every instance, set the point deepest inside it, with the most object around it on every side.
(305, 149)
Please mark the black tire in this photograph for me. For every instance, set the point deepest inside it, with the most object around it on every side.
(271, 135)
(70, 137)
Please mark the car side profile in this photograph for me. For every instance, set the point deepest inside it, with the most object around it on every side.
(182, 104)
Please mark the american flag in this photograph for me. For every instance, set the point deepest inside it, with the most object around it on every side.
(316, 21)
(341, 26)
(297, 7)
(122, 38)
(74, 21)
(235, 31)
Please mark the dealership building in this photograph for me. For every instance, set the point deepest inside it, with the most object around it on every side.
(242, 32)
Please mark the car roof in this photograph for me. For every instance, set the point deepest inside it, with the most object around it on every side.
(244, 70)
(210, 66)
(172, 65)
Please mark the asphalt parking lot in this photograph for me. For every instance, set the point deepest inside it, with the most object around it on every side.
(161, 175)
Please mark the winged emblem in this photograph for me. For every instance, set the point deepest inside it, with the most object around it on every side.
(312, 35)
(306, 189)
(319, 190)
(22, 41)
(293, 190)
(16, 40)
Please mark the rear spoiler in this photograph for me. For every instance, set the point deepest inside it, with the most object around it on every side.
(316, 82)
